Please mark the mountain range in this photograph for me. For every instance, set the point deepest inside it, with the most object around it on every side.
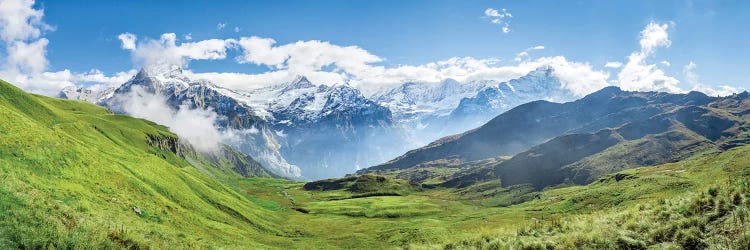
(303, 130)
(545, 144)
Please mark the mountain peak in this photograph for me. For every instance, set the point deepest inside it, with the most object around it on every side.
(299, 82)
(604, 93)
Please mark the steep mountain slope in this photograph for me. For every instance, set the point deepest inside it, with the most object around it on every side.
(75, 175)
(533, 123)
(634, 129)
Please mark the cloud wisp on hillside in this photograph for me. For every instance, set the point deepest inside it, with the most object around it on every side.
(194, 125)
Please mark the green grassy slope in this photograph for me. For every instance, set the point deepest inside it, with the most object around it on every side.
(73, 175)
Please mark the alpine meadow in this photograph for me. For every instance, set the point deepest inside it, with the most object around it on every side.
(374, 124)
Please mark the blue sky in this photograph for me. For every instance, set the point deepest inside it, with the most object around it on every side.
(711, 34)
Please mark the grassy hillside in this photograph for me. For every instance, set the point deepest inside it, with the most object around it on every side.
(73, 175)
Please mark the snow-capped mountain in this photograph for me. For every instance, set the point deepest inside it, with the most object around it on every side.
(413, 100)
(420, 109)
(430, 111)
(94, 95)
(179, 91)
(299, 102)
(327, 130)
(320, 131)
(540, 84)
(299, 129)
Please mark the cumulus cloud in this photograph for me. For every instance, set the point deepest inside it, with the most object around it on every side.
(20, 29)
(128, 41)
(166, 50)
(20, 21)
(654, 36)
(25, 64)
(28, 57)
(499, 18)
(637, 74)
(304, 56)
(221, 26)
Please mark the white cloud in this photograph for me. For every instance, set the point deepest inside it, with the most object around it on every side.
(654, 36)
(128, 41)
(693, 79)
(237, 29)
(328, 63)
(613, 65)
(28, 57)
(20, 21)
(196, 126)
(666, 63)
(188, 36)
(499, 18)
(221, 26)
(25, 65)
(323, 62)
(304, 57)
(637, 74)
(580, 78)
(66, 77)
(524, 55)
(167, 50)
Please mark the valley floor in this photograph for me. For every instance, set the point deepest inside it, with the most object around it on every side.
(693, 204)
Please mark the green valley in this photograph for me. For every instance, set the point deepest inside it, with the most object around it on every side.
(76, 176)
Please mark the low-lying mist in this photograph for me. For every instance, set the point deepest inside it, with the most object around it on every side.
(195, 126)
